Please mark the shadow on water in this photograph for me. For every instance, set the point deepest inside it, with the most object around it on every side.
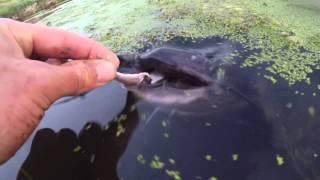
(93, 154)
(243, 127)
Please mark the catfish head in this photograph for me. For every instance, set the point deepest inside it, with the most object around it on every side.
(179, 76)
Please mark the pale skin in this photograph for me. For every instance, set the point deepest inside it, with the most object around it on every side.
(28, 87)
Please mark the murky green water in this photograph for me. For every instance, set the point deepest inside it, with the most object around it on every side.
(265, 132)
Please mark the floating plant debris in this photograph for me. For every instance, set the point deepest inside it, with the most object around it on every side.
(174, 174)
(235, 157)
(166, 135)
(77, 149)
(88, 127)
(123, 117)
(141, 159)
(208, 157)
(312, 111)
(276, 29)
(164, 124)
(213, 178)
(289, 105)
(120, 129)
(172, 161)
(280, 160)
(133, 108)
(156, 163)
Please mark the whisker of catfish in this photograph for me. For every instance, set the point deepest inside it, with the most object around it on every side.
(154, 112)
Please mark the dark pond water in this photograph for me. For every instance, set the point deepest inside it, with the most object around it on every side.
(242, 127)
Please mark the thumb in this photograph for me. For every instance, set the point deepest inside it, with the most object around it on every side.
(76, 77)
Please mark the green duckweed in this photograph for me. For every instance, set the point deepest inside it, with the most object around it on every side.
(156, 163)
(174, 174)
(280, 160)
(285, 32)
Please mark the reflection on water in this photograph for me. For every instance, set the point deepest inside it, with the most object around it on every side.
(93, 154)
(100, 106)
(245, 128)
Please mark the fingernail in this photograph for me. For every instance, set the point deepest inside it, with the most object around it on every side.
(105, 71)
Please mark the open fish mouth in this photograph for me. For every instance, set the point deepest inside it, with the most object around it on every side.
(158, 80)
(178, 77)
(164, 81)
(167, 91)
(169, 67)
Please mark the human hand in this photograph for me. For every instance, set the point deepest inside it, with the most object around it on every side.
(29, 87)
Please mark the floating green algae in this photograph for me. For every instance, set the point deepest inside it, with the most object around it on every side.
(120, 128)
(213, 178)
(235, 157)
(26, 174)
(172, 161)
(280, 160)
(77, 149)
(312, 111)
(286, 32)
(208, 157)
(141, 159)
(166, 135)
(164, 123)
(174, 174)
(156, 163)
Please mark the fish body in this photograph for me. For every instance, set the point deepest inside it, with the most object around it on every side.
(186, 79)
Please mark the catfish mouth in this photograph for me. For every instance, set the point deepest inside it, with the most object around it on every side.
(174, 76)
(180, 81)
(177, 76)
(177, 91)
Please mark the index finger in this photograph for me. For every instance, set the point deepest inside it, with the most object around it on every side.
(46, 42)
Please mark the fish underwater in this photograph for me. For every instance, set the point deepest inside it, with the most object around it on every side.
(187, 79)
(198, 79)
(191, 79)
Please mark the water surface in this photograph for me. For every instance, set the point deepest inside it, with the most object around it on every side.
(259, 131)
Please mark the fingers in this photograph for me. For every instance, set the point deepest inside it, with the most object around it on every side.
(44, 42)
(76, 77)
